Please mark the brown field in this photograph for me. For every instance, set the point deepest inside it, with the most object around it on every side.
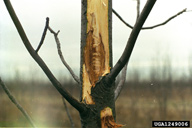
(138, 105)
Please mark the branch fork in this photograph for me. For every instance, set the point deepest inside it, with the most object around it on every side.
(76, 104)
(108, 78)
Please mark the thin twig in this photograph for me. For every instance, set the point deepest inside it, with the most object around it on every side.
(169, 19)
(131, 42)
(138, 8)
(61, 55)
(121, 19)
(68, 113)
(13, 100)
(43, 36)
(124, 70)
(81, 107)
(121, 82)
(123, 76)
(150, 27)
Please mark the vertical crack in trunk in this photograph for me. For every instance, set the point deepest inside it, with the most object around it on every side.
(96, 62)
(96, 51)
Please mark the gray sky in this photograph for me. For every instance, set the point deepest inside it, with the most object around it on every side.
(174, 39)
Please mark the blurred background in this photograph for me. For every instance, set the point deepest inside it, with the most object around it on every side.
(159, 76)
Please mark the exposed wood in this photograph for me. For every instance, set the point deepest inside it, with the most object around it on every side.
(96, 51)
(107, 120)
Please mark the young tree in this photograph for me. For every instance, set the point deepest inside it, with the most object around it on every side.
(97, 78)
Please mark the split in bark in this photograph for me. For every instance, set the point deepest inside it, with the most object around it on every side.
(97, 108)
(96, 62)
(96, 50)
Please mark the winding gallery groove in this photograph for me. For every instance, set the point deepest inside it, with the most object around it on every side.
(96, 50)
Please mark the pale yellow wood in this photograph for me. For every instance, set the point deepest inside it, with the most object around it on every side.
(96, 51)
(107, 119)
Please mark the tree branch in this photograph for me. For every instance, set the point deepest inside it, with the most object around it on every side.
(61, 55)
(124, 70)
(76, 104)
(121, 82)
(166, 21)
(68, 113)
(43, 36)
(150, 27)
(121, 19)
(131, 42)
(138, 8)
(13, 100)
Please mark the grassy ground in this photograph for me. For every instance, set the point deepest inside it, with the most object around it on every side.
(137, 106)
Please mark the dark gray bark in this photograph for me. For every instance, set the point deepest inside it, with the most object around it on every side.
(131, 41)
(83, 37)
(103, 96)
(75, 103)
(102, 93)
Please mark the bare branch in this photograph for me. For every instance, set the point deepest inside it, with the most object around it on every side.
(43, 36)
(121, 19)
(68, 113)
(61, 55)
(76, 104)
(131, 42)
(123, 73)
(169, 19)
(121, 82)
(154, 26)
(13, 100)
(124, 70)
(138, 8)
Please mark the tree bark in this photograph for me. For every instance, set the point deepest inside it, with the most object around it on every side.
(96, 62)
(97, 77)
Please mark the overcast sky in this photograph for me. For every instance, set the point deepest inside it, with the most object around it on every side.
(173, 39)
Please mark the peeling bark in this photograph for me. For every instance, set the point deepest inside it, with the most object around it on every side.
(96, 49)
(97, 106)
(103, 97)
(96, 62)
(107, 120)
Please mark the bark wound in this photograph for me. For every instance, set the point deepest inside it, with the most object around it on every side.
(107, 120)
(96, 50)
(94, 57)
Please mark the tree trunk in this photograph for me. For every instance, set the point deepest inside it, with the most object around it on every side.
(97, 106)
(96, 62)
